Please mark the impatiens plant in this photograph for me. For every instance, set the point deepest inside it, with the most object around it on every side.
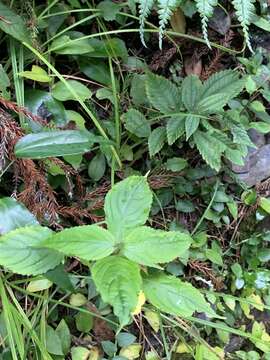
(125, 259)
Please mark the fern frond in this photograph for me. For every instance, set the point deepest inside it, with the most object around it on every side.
(145, 6)
(244, 10)
(165, 11)
(205, 9)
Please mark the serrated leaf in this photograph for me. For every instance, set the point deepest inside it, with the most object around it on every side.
(213, 103)
(191, 125)
(139, 243)
(22, 252)
(174, 297)
(156, 140)
(235, 156)
(14, 215)
(53, 143)
(136, 123)
(89, 242)
(127, 205)
(210, 148)
(162, 94)
(226, 81)
(240, 136)
(36, 74)
(62, 93)
(119, 282)
(191, 92)
(175, 128)
(13, 25)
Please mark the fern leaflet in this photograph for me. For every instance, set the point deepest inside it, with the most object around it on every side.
(244, 10)
(165, 10)
(206, 9)
(145, 6)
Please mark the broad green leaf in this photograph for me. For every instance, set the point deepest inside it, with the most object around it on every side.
(191, 125)
(214, 256)
(260, 126)
(119, 282)
(240, 136)
(156, 140)
(64, 335)
(162, 94)
(173, 296)
(53, 342)
(225, 82)
(53, 143)
(131, 352)
(136, 123)
(127, 205)
(14, 215)
(13, 25)
(139, 243)
(65, 46)
(62, 93)
(84, 322)
(213, 103)
(191, 92)
(80, 353)
(210, 148)
(108, 9)
(89, 242)
(175, 128)
(97, 70)
(36, 74)
(22, 252)
(176, 164)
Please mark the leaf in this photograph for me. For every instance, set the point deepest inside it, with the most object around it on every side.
(119, 282)
(89, 242)
(22, 252)
(136, 123)
(53, 342)
(175, 128)
(260, 126)
(66, 46)
(174, 297)
(97, 70)
(226, 82)
(13, 25)
(176, 164)
(162, 94)
(127, 205)
(213, 103)
(80, 353)
(139, 243)
(14, 215)
(156, 140)
(244, 10)
(125, 339)
(210, 148)
(214, 256)
(240, 136)
(39, 285)
(62, 93)
(36, 74)
(131, 352)
(108, 9)
(145, 7)
(205, 9)
(84, 322)
(191, 125)
(153, 319)
(64, 335)
(165, 12)
(53, 143)
(191, 92)
(264, 203)
(97, 167)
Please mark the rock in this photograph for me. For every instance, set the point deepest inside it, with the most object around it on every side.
(257, 165)
(220, 21)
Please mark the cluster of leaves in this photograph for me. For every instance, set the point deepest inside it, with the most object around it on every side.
(119, 251)
(196, 111)
(244, 10)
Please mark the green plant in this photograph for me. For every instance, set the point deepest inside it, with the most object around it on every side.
(125, 261)
(196, 110)
(244, 10)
